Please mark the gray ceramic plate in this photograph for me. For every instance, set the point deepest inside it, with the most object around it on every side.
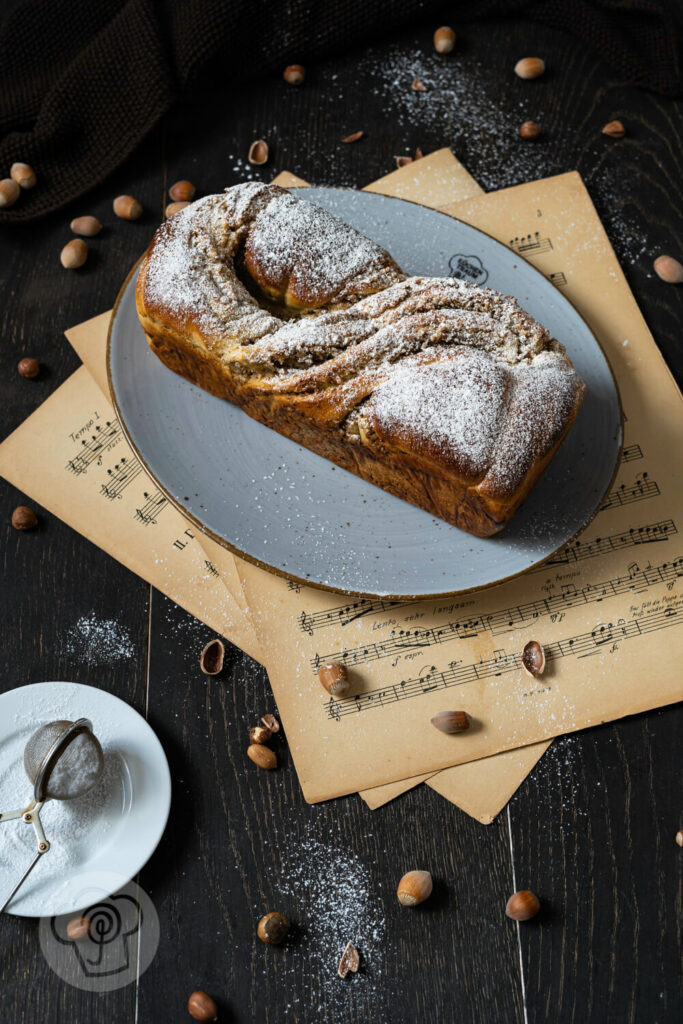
(283, 507)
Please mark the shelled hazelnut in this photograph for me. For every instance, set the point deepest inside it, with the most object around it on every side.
(201, 1006)
(273, 928)
(668, 269)
(533, 659)
(294, 74)
(529, 67)
(415, 887)
(175, 208)
(88, 226)
(127, 208)
(444, 39)
(28, 367)
(24, 518)
(23, 174)
(262, 756)
(74, 254)
(182, 191)
(9, 192)
(530, 130)
(523, 905)
(451, 721)
(271, 722)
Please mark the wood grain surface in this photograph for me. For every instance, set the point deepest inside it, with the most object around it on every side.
(591, 831)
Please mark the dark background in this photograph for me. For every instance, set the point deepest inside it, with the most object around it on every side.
(591, 831)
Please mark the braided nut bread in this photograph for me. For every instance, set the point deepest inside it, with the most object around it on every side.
(445, 394)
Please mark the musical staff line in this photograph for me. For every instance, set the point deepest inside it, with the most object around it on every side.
(123, 474)
(531, 245)
(636, 580)
(641, 489)
(92, 450)
(154, 504)
(630, 454)
(581, 645)
(578, 551)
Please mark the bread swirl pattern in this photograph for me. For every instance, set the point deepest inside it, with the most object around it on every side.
(446, 394)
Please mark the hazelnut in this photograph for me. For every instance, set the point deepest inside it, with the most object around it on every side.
(614, 129)
(24, 518)
(444, 39)
(262, 756)
(522, 905)
(28, 367)
(415, 887)
(74, 254)
(182, 191)
(88, 226)
(258, 152)
(211, 658)
(679, 837)
(260, 734)
(349, 961)
(451, 721)
(202, 1007)
(294, 74)
(271, 722)
(273, 928)
(23, 174)
(403, 161)
(78, 928)
(127, 208)
(533, 659)
(530, 130)
(669, 269)
(334, 678)
(175, 208)
(529, 67)
(418, 85)
(9, 192)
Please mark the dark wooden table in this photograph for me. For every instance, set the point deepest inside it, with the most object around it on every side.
(592, 829)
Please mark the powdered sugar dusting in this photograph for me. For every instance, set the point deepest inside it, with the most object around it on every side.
(99, 641)
(452, 408)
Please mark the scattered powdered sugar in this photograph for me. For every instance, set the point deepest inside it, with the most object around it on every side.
(99, 641)
(340, 902)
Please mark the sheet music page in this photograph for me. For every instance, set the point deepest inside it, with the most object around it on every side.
(72, 457)
(600, 607)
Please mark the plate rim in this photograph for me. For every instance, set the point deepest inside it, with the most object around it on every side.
(139, 864)
(259, 563)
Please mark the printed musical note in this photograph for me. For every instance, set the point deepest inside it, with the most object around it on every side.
(154, 504)
(579, 550)
(496, 623)
(631, 453)
(503, 662)
(118, 478)
(624, 495)
(559, 279)
(91, 449)
(530, 245)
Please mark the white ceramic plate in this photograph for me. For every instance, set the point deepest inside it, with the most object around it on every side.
(283, 507)
(100, 840)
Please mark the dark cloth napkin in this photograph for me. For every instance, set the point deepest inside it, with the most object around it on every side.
(83, 81)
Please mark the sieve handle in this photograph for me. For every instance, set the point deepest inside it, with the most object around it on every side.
(23, 878)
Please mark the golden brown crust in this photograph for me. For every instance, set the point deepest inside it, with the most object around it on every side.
(390, 378)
